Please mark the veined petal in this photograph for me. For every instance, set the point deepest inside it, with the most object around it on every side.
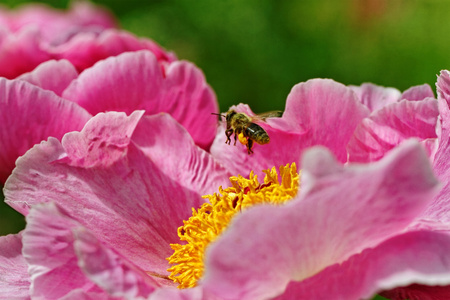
(418, 92)
(388, 127)
(160, 137)
(438, 209)
(52, 75)
(314, 109)
(110, 271)
(30, 115)
(375, 97)
(113, 188)
(410, 258)
(135, 80)
(14, 279)
(354, 207)
(48, 249)
(86, 48)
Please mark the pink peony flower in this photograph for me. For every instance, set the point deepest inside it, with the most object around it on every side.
(129, 81)
(104, 204)
(83, 35)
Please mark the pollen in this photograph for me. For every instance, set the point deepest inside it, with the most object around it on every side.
(242, 139)
(211, 219)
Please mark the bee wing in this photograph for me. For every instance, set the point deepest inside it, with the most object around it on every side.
(263, 116)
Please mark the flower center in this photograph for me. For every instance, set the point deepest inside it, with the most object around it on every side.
(212, 218)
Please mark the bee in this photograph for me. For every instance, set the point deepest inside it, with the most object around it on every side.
(245, 128)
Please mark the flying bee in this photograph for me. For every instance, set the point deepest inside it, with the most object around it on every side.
(245, 128)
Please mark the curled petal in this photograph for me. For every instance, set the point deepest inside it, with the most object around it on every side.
(14, 279)
(135, 81)
(410, 258)
(30, 115)
(354, 208)
(102, 174)
(48, 249)
(376, 97)
(418, 92)
(389, 126)
(438, 209)
(84, 49)
(52, 75)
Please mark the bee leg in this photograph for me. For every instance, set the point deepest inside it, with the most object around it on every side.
(228, 133)
(249, 146)
(236, 133)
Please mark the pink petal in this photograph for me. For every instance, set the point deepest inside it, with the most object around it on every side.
(389, 126)
(109, 270)
(14, 278)
(160, 137)
(124, 199)
(438, 209)
(52, 22)
(52, 75)
(310, 119)
(102, 142)
(376, 97)
(84, 49)
(20, 52)
(340, 212)
(181, 294)
(29, 115)
(135, 81)
(418, 92)
(48, 249)
(414, 257)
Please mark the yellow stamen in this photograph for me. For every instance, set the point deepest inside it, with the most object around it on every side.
(211, 219)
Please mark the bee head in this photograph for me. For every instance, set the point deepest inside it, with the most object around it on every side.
(230, 115)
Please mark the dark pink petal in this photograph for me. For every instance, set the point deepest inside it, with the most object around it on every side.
(86, 48)
(20, 52)
(418, 292)
(135, 80)
(48, 249)
(376, 97)
(340, 211)
(389, 126)
(418, 92)
(52, 75)
(414, 257)
(318, 112)
(30, 115)
(118, 277)
(52, 22)
(113, 188)
(14, 278)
